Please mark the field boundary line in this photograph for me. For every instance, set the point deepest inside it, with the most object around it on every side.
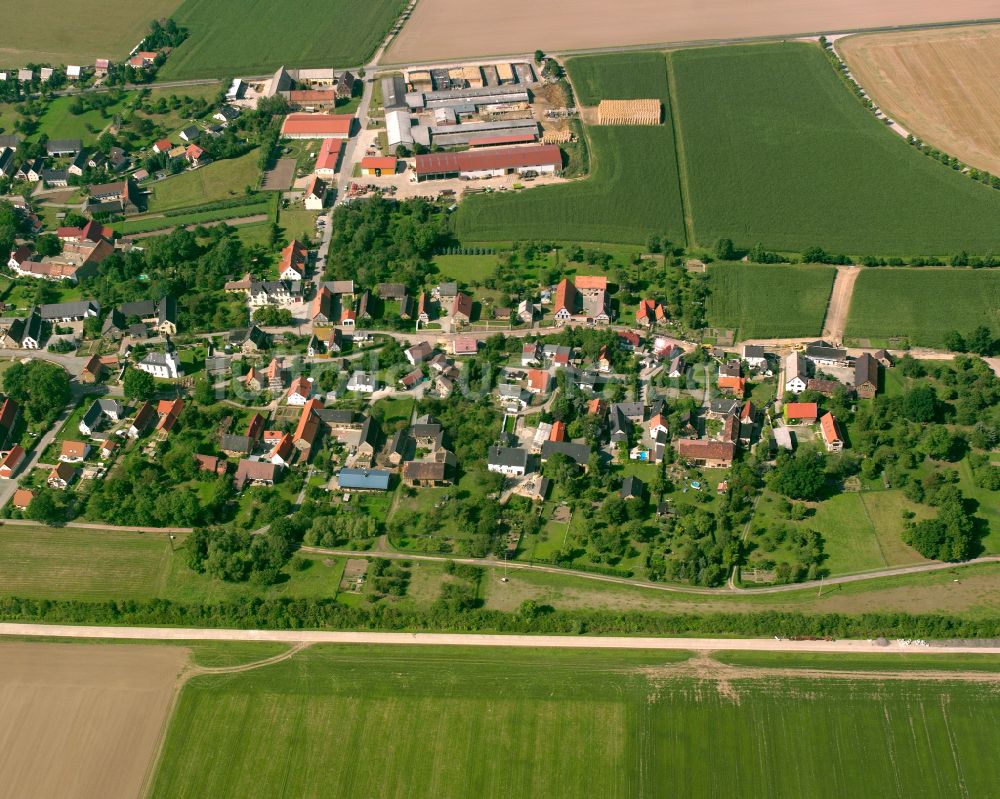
(519, 641)
(687, 213)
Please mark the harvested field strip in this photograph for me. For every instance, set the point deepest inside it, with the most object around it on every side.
(942, 85)
(386, 721)
(248, 37)
(82, 720)
(746, 297)
(779, 152)
(925, 304)
(445, 29)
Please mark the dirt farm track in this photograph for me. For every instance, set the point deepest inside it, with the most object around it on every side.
(442, 30)
(82, 721)
(941, 85)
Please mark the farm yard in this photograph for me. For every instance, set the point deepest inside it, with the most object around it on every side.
(941, 85)
(922, 305)
(75, 33)
(241, 37)
(443, 29)
(82, 720)
(779, 152)
(392, 721)
(769, 301)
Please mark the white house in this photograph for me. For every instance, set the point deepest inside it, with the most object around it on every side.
(315, 197)
(363, 383)
(510, 461)
(753, 354)
(300, 391)
(796, 372)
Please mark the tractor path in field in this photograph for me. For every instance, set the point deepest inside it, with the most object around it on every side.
(841, 646)
(835, 321)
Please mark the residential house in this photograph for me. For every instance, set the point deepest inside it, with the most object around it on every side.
(509, 461)
(650, 313)
(464, 345)
(532, 354)
(93, 370)
(250, 341)
(754, 356)
(800, 412)
(706, 452)
(830, 431)
(362, 480)
(796, 373)
(283, 451)
(144, 418)
(22, 498)
(309, 428)
(25, 333)
(194, 154)
(255, 473)
(461, 308)
(411, 379)
(632, 488)
(825, 387)
(300, 391)
(61, 476)
(101, 411)
(527, 311)
(733, 385)
(11, 462)
(210, 463)
(885, 358)
(69, 311)
(539, 381)
(629, 340)
(292, 264)
(9, 412)
(120, 197)
(578, 453)
(190, 133)
(274, 292)
(866, 373)
(363, 382)
(74, 451)
(169, 412)
(582, 300)
(315, 196)
(823, 354)
(418, 353)
(364, 306)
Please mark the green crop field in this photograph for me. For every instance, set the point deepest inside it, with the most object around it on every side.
(251, 37)
(632, 192)
(58, 32)
(620, 76)
(417, 721)
(769, 301)
(222, 180)
(923, 304)
(778, 151)
(633, 189)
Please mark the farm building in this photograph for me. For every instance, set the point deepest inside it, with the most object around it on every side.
(393, 93)
(317, 126)
(329, 157)
(474, 97)
(545, 159)
(372, 166)
(398, 128)
(455, 135)
(629, 112)
(497, 141)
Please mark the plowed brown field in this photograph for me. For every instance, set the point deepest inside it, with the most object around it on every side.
(941, 85)
(450, 29)
(82, 722)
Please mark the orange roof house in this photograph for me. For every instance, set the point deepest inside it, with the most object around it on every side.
(801, 411)
(736, 385)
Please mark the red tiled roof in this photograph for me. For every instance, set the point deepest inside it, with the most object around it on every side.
(476, 160)
(385, 163)
(591, 281)
(329, 154)
(828, 424)
(558, 431)
(23, 497)
(801, 410)
(312, 95)
(318, 125)
(707, 449)
(565, 296)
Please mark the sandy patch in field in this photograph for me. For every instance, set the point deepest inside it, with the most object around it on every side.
(82, 721)
(941, 85)
(446, 29)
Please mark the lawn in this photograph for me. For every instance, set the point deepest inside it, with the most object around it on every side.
(778, 151)
(922, 305)
(420, 721)
(58, 123)
(252, 37)
(632, 191)
(769, 301)
(222, 180)
(75, 33)
(299, 223)
(468, 269)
